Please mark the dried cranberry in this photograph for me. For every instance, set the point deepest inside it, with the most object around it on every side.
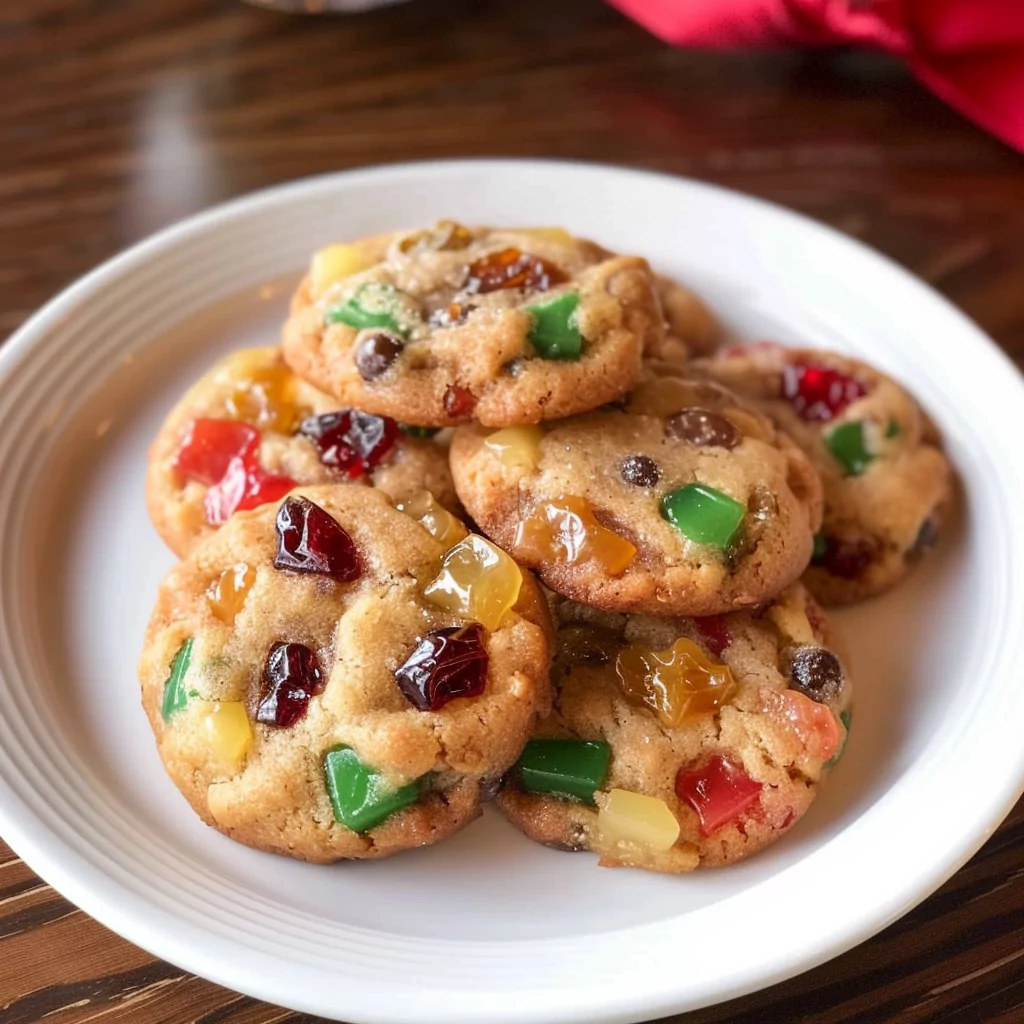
(640, 471)
(459, 401)
(819, 392)
(310, 541)
(704, 428)
(291, 676)
(376, 353)
(714, 633)
(351, 440)
(511, 268)
(445, 664)
(816, 672)
(209, 446)
(847, 559)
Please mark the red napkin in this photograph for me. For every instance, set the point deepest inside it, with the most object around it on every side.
(969, 52)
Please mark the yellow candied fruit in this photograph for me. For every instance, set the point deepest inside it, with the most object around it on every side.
(445, 235)
(518, 448)
(558, 235)
(228, 594)
(262, 392)
(228, 733)
(675, 683)
(565, 530)
(632, 819)
(433, 517)
(477, 581)
(334, 263)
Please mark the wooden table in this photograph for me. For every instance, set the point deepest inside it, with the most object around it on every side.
(119, 116)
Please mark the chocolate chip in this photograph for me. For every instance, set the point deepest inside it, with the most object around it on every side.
(927, 536)
(640, 470)
(376, 353)
(703, 427)
(816, 672)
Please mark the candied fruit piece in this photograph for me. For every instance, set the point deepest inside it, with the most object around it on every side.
(719, 791)
(210, 445)
(518, 448)
(411, 431)
(360, 798)
(714, 632)
(227, 595)
(639, 470)
(291, 676)
(568, 769)
(634, 820)
(848, 444)
(676, 683)
(813, 724)
(848, 558)
(511, 268)
(334, 263)
(549, 234)
(376, 354)
(350, 440)
(453, 315)
(445, 235)
(477, 581)
(820, 547)
(244, 485)
(555, 332)
(228, 734)
(374, 304)
(444, 665)
(819, 392)
(261, 392)
(311, 541)
(175, 694)
(566, 530)
(703, 428)
(434, 518)
(816, 672)
(458, 401)
(892, 429)
(703, 514)
(846, 717)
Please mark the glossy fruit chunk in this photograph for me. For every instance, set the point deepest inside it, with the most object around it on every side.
(639, 471)
(228, 593)
(848, 558)
(518, 448)
(444, 665)
(228, 734)
(634, 820)
(458, 401)
(676, 683)
(849, 446)
(262, 392)
(477, 581)
(566, 530)
(175, 694)
(816, 672)
(555, 333)
(374, 304)
(714, 633)
(434, 518)
(291, 676)
(445, 235)
(719, 791)
(846, 717)
(245, 485)
(703, 428)
(311, 541)
(350, 440)
(813, 724)
(209, 446)
(334, 263)
(703, 514)
(819, 392)
(360, 798)
(376, 354)
(511, 268)
(569, 769)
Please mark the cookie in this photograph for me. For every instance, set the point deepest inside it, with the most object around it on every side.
(250, 430)
(682, 743)
(683, 501)
(886, 482)
(327, 679)
(690, 327)
(451, 324)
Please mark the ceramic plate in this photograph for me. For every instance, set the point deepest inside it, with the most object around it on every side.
(486, 927)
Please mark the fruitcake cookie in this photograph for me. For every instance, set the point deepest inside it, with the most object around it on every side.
(680, 743)
(327, 679)
(250, 430)
(682, 501)
(450, 324)
(887, 484)
(690, 327)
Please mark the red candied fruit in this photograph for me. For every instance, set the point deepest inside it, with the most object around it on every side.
(819, 392)
(244, 485)
(848, 559)
(210, 445)
(311, 541)
(511, 268)
(291, 676)
(714, 633)
(350, 440)
(719, 791)
(459, 401)
(446, 664)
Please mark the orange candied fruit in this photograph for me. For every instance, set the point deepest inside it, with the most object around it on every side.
(228, 594)
(433, 517)
(477, 581)
(566, 530)
(675, 683)
(812, 723)
(262, 393)
(517, 448)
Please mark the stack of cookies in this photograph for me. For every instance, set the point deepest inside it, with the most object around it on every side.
(500, 521)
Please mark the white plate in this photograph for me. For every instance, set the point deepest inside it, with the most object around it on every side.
(486, 927)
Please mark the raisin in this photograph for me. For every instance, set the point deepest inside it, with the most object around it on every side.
(816, 672)
(640, 471)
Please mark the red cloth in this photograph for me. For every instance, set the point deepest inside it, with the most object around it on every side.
(969, 52)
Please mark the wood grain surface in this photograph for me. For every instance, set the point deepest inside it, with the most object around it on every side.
(120, 116)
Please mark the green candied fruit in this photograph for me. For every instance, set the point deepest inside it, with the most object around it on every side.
(892, 430)
(846, 717)
(848, 444)
(175, 694)
(703, 514)
(360, 799)
(411, 431)
(820, 547)
(555, 333)
(570, 769)
(373, 305)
